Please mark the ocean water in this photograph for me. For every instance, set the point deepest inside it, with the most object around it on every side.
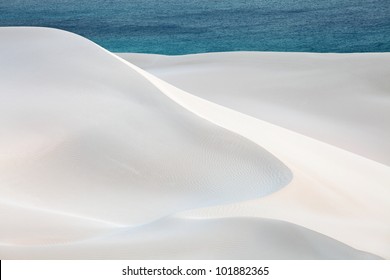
(196, 26)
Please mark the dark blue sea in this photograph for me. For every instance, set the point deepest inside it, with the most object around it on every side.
(197, 26)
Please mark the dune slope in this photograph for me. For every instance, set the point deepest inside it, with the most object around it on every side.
(334, 191)
(85, 134)
(105, 150)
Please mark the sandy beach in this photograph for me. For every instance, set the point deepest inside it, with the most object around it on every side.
(237, 155)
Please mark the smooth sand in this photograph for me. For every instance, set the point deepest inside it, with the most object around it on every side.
(97, 154)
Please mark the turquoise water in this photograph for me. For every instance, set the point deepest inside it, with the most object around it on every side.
(195, 26)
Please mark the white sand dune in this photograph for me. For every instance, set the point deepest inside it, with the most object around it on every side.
(86, 134)
(231, 238)
(95, 152)
(335, 192)
(340, 99)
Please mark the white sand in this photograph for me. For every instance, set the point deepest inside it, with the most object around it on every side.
(95, 152)
(341, 99)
